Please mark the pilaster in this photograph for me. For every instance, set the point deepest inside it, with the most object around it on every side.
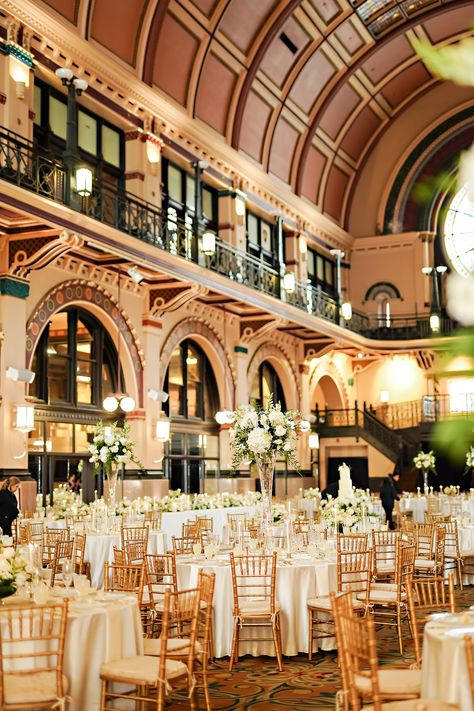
(143, 165)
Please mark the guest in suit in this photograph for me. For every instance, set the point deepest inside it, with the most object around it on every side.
(8, 503)
(388, 495)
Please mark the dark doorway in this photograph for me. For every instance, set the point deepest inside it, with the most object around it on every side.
(359, 467)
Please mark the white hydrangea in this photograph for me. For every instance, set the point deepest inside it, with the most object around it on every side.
(259, 440)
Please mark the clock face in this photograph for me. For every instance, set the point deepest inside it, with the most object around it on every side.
(459, 233)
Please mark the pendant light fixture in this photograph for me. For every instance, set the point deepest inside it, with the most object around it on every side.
(118, 400)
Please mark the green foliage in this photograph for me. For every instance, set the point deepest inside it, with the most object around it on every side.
(454, 437)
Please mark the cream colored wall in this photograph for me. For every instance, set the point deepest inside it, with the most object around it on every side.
(396, 259)
(399, 374)
(376, 176)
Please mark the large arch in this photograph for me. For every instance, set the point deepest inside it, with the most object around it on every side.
(327, 387)
(284, 369)
(212, 346)
(105, 307)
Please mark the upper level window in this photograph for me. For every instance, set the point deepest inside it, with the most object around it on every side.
(190, 383)
(261, 239)
(459, 233)
(321, 270)
(100, 144)
(267, 383)
(74, 361)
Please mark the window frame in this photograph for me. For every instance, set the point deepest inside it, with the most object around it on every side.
(206, 377)
(257, 251)
(326, 263)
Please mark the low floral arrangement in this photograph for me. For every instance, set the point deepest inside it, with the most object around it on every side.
(344, 513)
(311, 493)
(177, 501)
(66, 503)
(15, 570)
(450, 490)
(425, 461)
(112, 445)
(258, 434)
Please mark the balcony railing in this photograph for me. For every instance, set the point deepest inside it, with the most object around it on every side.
(22, 164)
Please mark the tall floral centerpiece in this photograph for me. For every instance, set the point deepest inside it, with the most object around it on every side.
(258, 435)
(426, 462)
(112, 447)
(15, 570)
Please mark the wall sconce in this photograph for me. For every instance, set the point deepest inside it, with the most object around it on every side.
(135, 275)
(84, 181)
(162, 429)
(313, 440)
(209, 243)
(224, 417)
(303, 245)
(435, 323)
(20, 74)
(24, 418)
(384, 396)
(240, 203)
(346, 310)
(289, 282)
(153, 152)
(157, 395)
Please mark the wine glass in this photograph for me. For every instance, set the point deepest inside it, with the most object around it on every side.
(66, 572)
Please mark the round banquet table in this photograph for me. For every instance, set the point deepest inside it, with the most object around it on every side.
(417, 504)
(172, 521)
(99, 550)
(296, 583)
(444, 670)
(100, 628)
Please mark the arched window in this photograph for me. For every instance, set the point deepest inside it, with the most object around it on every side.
(383, 293)
(191, 384)
(459, 233)
(265, 383)
(74, 362)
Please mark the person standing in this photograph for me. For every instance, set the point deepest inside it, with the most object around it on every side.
(8, 503)
(388, 496)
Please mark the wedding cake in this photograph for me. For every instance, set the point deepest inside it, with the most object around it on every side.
(345, 482)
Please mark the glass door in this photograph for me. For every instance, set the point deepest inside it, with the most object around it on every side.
(189, 460)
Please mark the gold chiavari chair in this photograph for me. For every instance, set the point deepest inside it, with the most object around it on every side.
(435, 564)
(253, 582)
(63, 550)
(387, 602)
(161, 576)
(205, 527)
(356, 542)
(134, 552)
(302, 515)
(35, 635)
(407, 526)
(51, 536)
(453, 559)
(392, 684)
(81, 566)
(184, 545)
(159, 676)
(469, 649)
(384, 546)
(360, 651)
(134, 533)
(436, 517)
(354, 574)
(119, 556)
(178, 647)
(425, 596)
(190, 529)
(236, 523)
(153, 519)
(127, 578)
(34, 531)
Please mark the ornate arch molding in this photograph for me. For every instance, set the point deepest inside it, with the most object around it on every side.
(205, 334)
(330, 370)
(382, 287)
(85, 293)
(435, 153)
(278, 355)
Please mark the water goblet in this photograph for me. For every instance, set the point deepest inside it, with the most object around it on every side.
(66, 572)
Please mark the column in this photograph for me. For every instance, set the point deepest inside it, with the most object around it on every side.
(17, 84)
(232, 222)
(152, 341)
(143, 165)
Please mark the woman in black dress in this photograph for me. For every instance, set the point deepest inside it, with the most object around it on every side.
(8, 503)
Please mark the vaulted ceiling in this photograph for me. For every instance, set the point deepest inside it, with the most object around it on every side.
(303, 87)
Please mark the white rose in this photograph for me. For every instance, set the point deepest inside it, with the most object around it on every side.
(280, 431)
(8, 553)
(288, 447)
(276, 418)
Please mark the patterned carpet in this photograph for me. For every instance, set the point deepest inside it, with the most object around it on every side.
(256, 685)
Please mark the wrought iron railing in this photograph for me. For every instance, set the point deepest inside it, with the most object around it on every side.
(22, 164)
(430, 408)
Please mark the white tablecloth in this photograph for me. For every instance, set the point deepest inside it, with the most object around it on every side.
(172, 522)
(295, 585)
(99, 550)
(417, 504)
(444, 670)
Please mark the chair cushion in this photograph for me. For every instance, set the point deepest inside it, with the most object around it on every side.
(32, 689)
(175, 645)
(324, 603)
(255, 608)
(140, 670)
(383, 595)
(424, 563)
(401, 682)
(415, 705)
